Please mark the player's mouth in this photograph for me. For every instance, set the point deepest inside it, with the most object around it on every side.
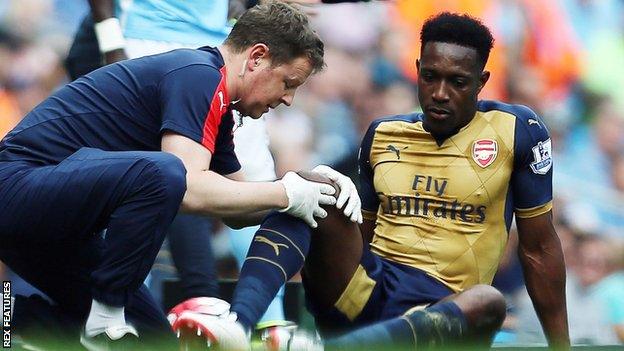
(438, 113)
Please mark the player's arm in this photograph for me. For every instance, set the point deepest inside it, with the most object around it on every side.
(108, 30)
(539, 248)
(544, 272)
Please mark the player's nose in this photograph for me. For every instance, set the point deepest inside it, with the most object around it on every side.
(440, 92)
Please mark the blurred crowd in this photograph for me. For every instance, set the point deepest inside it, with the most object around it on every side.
(563, 58)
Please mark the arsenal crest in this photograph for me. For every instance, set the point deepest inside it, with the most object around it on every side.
(484, 152)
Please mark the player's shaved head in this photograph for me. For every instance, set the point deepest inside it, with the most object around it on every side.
(459, 29)
(283, 28)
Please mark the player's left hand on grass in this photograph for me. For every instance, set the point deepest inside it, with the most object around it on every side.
(348, 193)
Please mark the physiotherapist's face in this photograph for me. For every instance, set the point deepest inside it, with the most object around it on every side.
(267, 87)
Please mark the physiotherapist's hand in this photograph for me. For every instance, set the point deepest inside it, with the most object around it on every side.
(348, 193)
(305, 198)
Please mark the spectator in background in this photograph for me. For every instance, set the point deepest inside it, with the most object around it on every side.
(603, 271)
(587, 164)
(9, 107)
(588, 315)
(617, 173)
(9, 111)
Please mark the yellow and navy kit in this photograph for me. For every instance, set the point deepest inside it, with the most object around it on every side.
(446, 209)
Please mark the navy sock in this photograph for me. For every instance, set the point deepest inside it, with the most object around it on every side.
(439, 325)
(395, 334)
(277, 253)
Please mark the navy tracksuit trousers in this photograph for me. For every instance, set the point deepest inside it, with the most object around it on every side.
(50, 217)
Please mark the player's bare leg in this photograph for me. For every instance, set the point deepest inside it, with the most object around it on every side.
(335, 253)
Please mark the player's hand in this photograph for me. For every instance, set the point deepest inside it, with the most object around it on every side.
(305, 198)
(348, 193)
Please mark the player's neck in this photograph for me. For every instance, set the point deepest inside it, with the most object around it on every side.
(441, 137)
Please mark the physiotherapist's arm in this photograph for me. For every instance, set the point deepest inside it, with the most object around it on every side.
(104, 10)
(210, 193)
(542, 260)
(247, 220)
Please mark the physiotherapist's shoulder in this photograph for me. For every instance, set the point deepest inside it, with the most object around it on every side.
(178, 68)
(205, 56)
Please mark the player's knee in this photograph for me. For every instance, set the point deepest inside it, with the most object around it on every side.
(493, 303)
(169, 173)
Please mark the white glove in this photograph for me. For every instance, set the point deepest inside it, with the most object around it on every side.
(305, 198)
(348, 193)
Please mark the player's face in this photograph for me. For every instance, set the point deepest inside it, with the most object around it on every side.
(449, 80)
(271, 86)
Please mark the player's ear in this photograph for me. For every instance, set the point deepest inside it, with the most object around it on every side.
(485, 76)
(417, 65)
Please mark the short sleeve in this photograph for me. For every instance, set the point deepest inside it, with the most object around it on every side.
(193, 100)
(531, 180)
(370, 201)
(224, 160)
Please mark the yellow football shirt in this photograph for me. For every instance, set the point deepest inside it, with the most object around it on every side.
(446, 209)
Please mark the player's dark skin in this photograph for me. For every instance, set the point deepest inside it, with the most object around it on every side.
(450, 79)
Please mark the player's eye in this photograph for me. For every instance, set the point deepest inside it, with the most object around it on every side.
(427, 77)
(460, 83)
